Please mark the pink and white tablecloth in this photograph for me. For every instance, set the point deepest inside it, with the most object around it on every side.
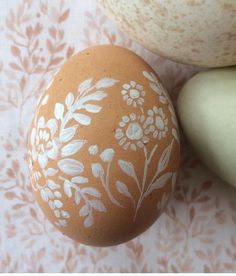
(196, 232)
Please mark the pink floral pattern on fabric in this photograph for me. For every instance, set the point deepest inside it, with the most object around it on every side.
(37, 37)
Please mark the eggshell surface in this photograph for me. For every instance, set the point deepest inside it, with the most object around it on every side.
(198, 32)
(104, 147)
(207, 109)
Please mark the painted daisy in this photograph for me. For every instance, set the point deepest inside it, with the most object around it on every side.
(133, 93)
(156, 123)
(131, 133)
(44, 145)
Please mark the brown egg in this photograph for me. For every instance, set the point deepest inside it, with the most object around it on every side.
(104, 147)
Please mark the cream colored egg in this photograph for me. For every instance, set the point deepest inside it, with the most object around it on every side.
(104, 147)
(199, 32)
(207, 112)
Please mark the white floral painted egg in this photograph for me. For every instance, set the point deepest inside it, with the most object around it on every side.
(198, 32)
(104, 147)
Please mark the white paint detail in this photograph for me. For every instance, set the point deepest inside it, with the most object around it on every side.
(132, 133)
(107, 155)
(93, 149)
(70, 166)
(45, 100)
(72, 148)
(59, 111)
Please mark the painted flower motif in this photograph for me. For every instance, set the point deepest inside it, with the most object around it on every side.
(131, 133)
(44, 144)
(156, 123)
(133, 93)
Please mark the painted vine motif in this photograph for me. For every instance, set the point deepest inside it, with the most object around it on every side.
(46, 145)
(134, 132)
(54, 140)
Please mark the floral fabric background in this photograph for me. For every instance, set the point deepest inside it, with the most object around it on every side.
(196, 232)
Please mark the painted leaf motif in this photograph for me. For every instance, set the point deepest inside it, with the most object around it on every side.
(70, 166)
(97, 170)
(77, 198)
(107, 155)
(69, 99)
(67, 189)
(44, 195)
(122, 189)
(68, 147)
(105, 82)
(127, 168)
(84, 211)
(174, 133)
(155, 88)
(50, 172)
(91, 191)
(148, 76)
(73, 147)
(92, 108)
(97, 96)
(88, 222)
(67, 134)
(59, 111)
(85, 85)
(173, 118)
(165, 157)
(98, 205)
(153, 77)
(83, 119)
(79, 180)
(163, 99)
(52, 185)
(160, 182)
(43, 160)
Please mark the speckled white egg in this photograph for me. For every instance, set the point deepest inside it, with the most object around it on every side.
(198, 32)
